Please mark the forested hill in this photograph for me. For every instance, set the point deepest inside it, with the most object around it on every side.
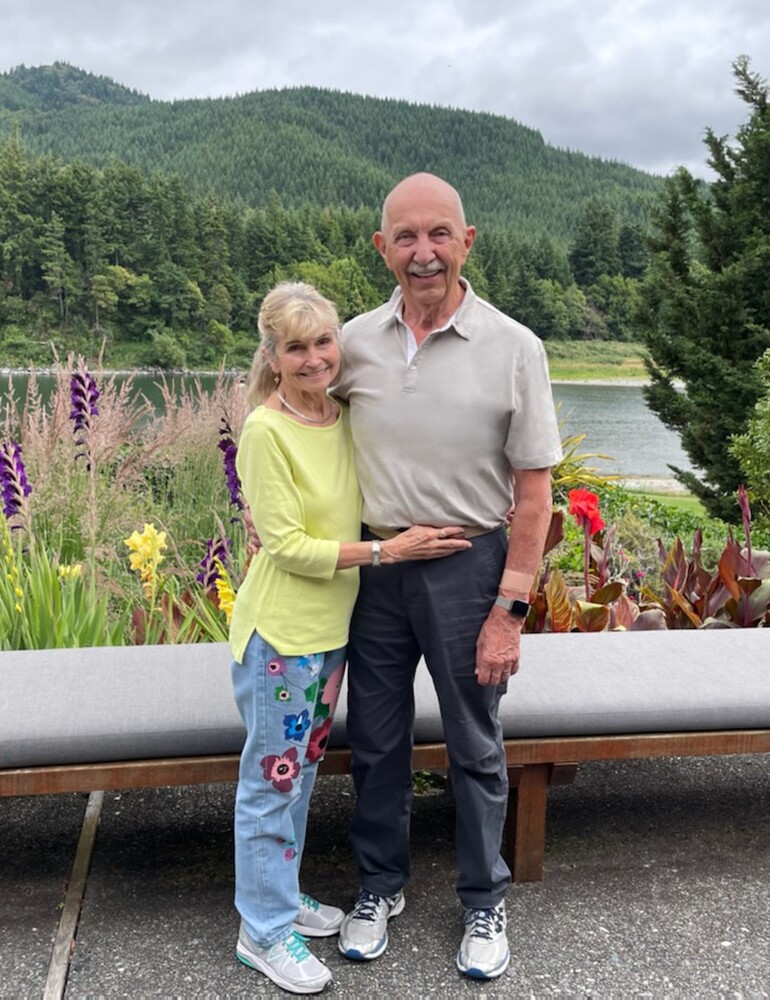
(320, 147)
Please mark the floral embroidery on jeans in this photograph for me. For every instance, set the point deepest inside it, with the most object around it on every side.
(312, 663)
(281, 769)
(276, 667)
(331, 689)
(289, 848)
(297, 725)
(282, 694)
(318, 739)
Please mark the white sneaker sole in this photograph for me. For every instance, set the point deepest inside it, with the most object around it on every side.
(475, 973)
(255, 962)
(358, 956)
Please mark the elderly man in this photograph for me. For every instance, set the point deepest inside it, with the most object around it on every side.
(452, 416)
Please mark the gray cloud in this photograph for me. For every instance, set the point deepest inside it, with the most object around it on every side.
(631, 80)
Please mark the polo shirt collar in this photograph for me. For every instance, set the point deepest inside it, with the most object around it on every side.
(460, 322)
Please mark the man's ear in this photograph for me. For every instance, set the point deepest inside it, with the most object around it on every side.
(379, 241)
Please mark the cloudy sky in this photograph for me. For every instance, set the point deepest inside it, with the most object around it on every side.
(631, 80)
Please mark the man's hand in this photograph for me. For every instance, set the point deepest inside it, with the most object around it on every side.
(497, 647)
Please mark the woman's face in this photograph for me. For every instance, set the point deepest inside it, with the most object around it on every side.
(307, 366)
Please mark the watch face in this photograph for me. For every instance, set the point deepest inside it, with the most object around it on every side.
(519, 609)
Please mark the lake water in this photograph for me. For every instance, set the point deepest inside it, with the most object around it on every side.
(617, 423)
(614, 418)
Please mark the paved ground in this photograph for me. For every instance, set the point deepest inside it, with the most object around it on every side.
(657, 885)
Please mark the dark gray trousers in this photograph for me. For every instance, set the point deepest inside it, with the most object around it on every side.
(435, 609)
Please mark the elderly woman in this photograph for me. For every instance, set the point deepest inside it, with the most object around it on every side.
(290, 622)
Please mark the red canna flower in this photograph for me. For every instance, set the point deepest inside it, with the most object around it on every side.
(585, 506)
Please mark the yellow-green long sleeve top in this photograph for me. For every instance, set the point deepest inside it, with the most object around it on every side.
(301, 486)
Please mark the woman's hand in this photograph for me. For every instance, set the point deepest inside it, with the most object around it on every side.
(423, 542)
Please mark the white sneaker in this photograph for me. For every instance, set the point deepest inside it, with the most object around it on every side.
(288, 963)
(364, 931)
(484, 952)
(316, 919)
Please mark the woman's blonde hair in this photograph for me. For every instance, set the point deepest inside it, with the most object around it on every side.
(293, 310)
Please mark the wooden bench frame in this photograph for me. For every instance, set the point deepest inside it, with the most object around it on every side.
(533, 765)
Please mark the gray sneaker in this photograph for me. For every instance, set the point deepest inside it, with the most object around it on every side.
(364, 931)
(288, 963)
(484, 952)
(316, 919)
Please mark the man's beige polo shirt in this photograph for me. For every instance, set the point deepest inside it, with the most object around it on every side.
(436, 437)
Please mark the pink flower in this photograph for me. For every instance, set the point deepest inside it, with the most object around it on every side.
(276, 667)
(289, 854)
(281, 769)
(332, 687)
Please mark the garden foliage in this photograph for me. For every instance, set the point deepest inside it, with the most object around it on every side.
(706, 301)
(119, 523)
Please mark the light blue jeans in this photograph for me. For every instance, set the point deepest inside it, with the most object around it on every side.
(287, 705)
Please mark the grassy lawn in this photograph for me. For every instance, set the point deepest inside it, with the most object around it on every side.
(681, 501)
(592, 359)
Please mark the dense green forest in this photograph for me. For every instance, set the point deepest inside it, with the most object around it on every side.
(151, 230)
(318, 146)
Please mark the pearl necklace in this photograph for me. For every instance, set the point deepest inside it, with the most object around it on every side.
(302, 416)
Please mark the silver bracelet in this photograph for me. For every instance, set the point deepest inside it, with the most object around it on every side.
(376, 552)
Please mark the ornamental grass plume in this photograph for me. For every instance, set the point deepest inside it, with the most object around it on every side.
(584, 505)
(14, 485)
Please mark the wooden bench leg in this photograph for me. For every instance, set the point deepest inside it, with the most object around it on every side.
(525, 822)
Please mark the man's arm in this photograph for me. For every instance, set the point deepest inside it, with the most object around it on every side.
(497, 648)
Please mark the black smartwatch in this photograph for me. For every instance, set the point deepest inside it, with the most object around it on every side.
(519, 609)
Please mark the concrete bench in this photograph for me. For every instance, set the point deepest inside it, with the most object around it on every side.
(129, 717)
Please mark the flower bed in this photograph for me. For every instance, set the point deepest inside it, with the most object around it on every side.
(122, 525)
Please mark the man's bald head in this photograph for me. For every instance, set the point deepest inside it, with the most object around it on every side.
(418, 185)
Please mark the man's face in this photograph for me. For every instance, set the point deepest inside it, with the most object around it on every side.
(425, 243)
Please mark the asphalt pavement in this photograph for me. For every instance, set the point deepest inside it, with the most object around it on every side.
(657, 884)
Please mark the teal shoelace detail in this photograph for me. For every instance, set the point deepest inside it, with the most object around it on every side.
(296, 947)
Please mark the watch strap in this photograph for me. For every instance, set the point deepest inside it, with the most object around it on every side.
(515, 607)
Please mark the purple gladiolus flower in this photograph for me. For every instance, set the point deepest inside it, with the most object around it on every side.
(83, 396)
(14, 485)
(229, 450)
(216, 548)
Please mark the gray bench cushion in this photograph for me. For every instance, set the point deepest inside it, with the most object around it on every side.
(84, 705)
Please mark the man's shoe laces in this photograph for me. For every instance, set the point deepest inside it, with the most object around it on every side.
(367, 905)
(485, 922)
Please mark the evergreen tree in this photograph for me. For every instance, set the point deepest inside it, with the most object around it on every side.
(58, 266)
(706, 300)
(596, 247)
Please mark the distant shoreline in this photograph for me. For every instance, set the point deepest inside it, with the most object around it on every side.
(187, 373)
(632, 383)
